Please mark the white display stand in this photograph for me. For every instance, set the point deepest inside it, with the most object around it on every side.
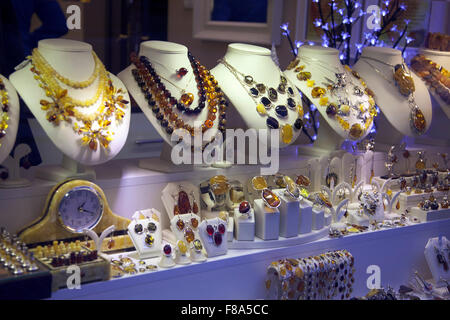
(7, 142)
(436, 268)
(169, 196)
(267, 221)
(393, 123)
(212, 250)
(289, 214)
(74, 60)
(318, 218)
(180, 257)
(13, 165)
(257, 62)
(322, 56)
(142, 249)
(306, 217)
(244, 225)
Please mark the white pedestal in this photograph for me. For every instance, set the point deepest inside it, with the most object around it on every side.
(306, 219)
(328, 218)
(267, 221)
(68, 169)
(318, 219)
(244, 228)
(196, 256)
(166, 262)
(180, 258)
(289, 215)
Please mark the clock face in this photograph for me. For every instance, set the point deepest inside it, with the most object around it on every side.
(80, 208)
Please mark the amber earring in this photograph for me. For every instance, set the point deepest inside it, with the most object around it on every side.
(194, 203)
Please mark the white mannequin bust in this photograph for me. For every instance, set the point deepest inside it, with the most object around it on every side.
(73, 60)
(166, 58)
(7, 142)
(323, 63)
(391, 102)
(257, 62)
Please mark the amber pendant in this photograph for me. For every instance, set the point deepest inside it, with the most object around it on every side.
(176, 210)
(372, 174)
(403, 80)
(184, 205)
(187, 99)
(397, 206)
(418, 121)
(111, 243)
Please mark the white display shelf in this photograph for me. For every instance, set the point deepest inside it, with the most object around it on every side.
(241, 273)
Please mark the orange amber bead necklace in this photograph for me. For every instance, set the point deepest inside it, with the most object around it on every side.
(163, 104)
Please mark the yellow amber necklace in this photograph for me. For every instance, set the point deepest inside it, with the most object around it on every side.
(95, 127)
(66, 81)
(4, 108)
(49, 73)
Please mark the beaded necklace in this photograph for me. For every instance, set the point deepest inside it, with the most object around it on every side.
(403, 80)
(363, 109)
(93, 127)
(4, 117)
(163, 104)
(267, 97)
(436, 76)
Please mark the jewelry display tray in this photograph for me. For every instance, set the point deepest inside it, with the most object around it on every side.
(90, 271)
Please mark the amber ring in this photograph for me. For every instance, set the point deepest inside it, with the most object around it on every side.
(270, 199)
(291, 187)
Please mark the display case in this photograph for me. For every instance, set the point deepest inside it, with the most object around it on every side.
(173, 167)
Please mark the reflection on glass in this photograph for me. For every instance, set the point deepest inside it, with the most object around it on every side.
(239, 10)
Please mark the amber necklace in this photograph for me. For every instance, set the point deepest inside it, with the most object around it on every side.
(51, 75)
(405, 83)
(257, 90)
(4, 117)
(95, 127)
(163, 104)
(71, 83)
(342, 112)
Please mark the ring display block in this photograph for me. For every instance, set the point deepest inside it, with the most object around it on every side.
(267, 221)
(306, 220)
(318, 219)
(289, 215)
(244, 228)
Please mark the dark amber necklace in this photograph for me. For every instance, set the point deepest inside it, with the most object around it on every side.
(163, 104)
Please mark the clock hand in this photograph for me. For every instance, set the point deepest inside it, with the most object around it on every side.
(86, 211)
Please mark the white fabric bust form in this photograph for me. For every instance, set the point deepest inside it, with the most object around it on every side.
(73, 60)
